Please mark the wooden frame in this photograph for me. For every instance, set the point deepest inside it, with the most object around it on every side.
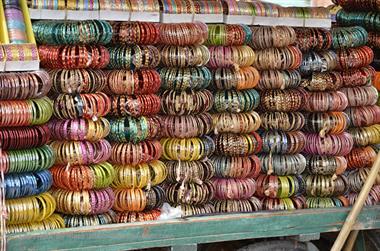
(193, 230)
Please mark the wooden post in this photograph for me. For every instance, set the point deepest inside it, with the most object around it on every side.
(351, 241)
(352, 216)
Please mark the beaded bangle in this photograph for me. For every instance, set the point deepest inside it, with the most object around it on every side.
(135, 33)
(134, 154)
(296, 202)
(238, 145)
(279, 186)
(184, 56)
(284, 164)
(188, 126)
(135, 105)
(24, 137)
(27, 184)
(283, 142)
(130, 200)
(318, 62)
(189, 171)
(339, 144)
(77, 80)
(77, 178)
(129, 217)
(89, 220)
(236, 122)
(291, 121)
(361, 96)
(236, 167)
(231, 56)
(325, 165)
(25, 112)
(187, 149)
(234, 189)
(273, 79)
(363, 115)
(189, 193)
(316, 202)
(129, 129)
(191, 210)
(83, 202)
(241, 79)
(29, 160)
(325, 81)
(287, 58)
(252, 204)
(133, 57)
(79, 129)
(359, 77)
(325, 101)
(185, 78)
(139, 176)
(327, 122)
(348, 37)
(316, 39)
(364, 136)
(55, 221)
(354, 57)
(183, 33)
(272, 37)
(361, 157)
(325, 186)
(236, 101)
(282, 100)
(24, 85)
(81, 152)
(186, 102)
(30, 209)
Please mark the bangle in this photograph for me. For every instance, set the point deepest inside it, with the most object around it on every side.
(361, 157)
(359, 77)
(130, 200)
(234, 189)
(275, 79)
(186, 102)
(188, 126)
(296, 202)
(184, 56)
(143, 33)
(325, 185)
(238, 145)
(134, 154)
(282, 100)
(327, 122)
(286, 58)
(284, 121)
(236, 167)
(89, 220)
(339, 144)
(363, 115)
(228, 34)
(129, 217)
(283, 142)
(135, 105)
(361, 96)
(81, 152)
(284, 164)
(191, 210)
(364, 136)
(189, 193)
(252, 204)
(183, 33)
(272, 37)
(155, 198)
(316, 39)
(358, 5)
(24, 137)
(317, 202)
(325, 101)
(207, 7)
(322, 61)
(354, 57)
(185, 78)
(357, 178)
(236, 122)
(325, 165)
(348, 37)
(133, 57)
(77, 178)
(231, 56)
(85, 202)
(240, 79)
(189, 171)
(55, 221)
(372, 199)
(325, 81)
(279, 186)
(236, 101)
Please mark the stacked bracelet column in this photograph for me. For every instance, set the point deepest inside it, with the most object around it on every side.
(25, 158)
(186, 122)
(280, 185)
(135, 126)
(81, 174)
(234, 120)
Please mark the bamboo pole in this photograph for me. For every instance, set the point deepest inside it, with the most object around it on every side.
(351, 240)
(356, 209)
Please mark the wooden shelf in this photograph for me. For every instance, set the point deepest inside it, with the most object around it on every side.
(193, 230)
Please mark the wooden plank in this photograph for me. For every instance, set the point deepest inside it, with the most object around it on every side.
(193, 230)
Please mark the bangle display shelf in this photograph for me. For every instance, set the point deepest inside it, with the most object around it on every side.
(17, 57)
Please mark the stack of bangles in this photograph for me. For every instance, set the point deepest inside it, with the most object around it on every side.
(184, 56)
(24, 85)
(189, 126)
(133, 57)
(272, 37)
(184, 78)
(135, 105)
(234, 189)
(356, 5)
(284, 121)
(236, 167)
(72, 32)
(284, 164)
(252, 204)
(236, 122)
(135, 33)
(240, 79)
(366, 19)
(361, 96)
(77, 80)
(190, 149)
(327, 122)
(30, 209)
(89, 220)
(74, 56)
(363, 115)
(236, 101)
(228, 34)
(128, 217)
(81, 152)
(141, 5)
(79, 129)
(239, 8)
(354, 57)
(189, 210)
(28, 160)
(364, 136)
(24, 137)
(358, 77)
(361, 157)
(325, 185)
(127, 82)
(183, 33)
(134, 154)
(155, 198)
(318, 62)
(317, 39)
(231, 56)
(297, 202)
(357, 178)
(330, 144)
(77, 178)
(320, 202)
(90, 106)
(276, 79)
(324, 81)
(55, 221)
(139, 176)
(372, 199)
(137, 200)
(348, 37)
(231, 144)
(325, 165)
(132, 129)
(189, 193)
(27, 184)
(186, 102)
(373, 40)
(325, 101)
(282, 100)
(274, 186)
(287, 58)
(191, 171)
(279, 142)
(207, 7)
(84, 202)
(25, 112)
